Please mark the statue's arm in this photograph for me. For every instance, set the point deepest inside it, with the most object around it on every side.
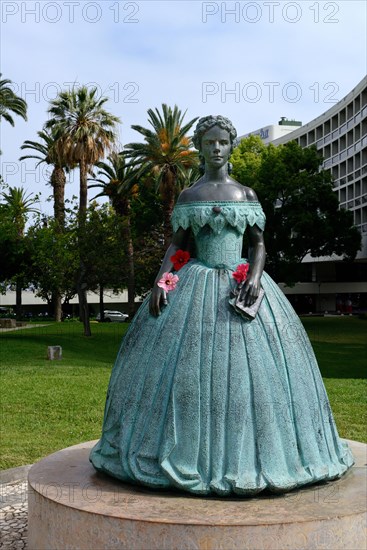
(257, 254)
(179, 242)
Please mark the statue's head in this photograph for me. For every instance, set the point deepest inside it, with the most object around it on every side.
(206, 123)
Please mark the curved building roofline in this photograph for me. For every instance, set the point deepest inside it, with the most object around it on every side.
(325, 116)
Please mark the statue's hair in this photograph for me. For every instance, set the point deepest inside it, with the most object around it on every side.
(207, 122)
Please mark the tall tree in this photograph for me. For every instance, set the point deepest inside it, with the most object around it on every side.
(84, 132)
(166, 155)
(302, 210)
(49, 154)
(105, 258)
(54, 260)
(16, 208)
(19, 205)
(148, 236)
(10, 103)
(112, 177)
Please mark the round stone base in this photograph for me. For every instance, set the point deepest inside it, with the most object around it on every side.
(72, 506)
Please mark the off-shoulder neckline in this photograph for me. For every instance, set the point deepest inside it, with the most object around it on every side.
(190, 203)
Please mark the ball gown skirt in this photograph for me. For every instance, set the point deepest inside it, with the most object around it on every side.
(201, 399)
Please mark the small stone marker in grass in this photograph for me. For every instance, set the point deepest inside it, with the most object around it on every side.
(54, 352)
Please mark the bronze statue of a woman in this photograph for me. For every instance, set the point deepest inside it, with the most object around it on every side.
(205, 397)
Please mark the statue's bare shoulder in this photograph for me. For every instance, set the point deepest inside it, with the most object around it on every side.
(231, 190)
(248, 194)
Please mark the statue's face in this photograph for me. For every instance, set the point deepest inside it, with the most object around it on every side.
(216, 147)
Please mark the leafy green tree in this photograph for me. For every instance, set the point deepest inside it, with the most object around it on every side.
(247, 159)
(166, 155)
(15, 209)
(302, 210)
(55, 256)
(13, 251)
(104, 257)
(112, 178)
(10, 103)
(54, 261)
(148, 236)
(84, 132)
(47, 153)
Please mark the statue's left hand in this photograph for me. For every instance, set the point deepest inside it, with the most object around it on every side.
(250, 290)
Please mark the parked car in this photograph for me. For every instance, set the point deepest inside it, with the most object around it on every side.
(113, 316)
(6, 312)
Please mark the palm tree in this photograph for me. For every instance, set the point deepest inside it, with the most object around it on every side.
(113, 177)
(48, 154)
(17, 207)
(166, 155)
(84, 131)
(10, 103)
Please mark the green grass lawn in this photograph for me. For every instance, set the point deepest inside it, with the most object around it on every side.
(340, 345)
(48, 405)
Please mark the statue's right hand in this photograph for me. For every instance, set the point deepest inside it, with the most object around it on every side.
(157, 297)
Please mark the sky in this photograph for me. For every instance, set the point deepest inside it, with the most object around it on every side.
(252, 61)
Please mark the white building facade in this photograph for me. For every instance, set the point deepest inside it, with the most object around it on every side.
(340, 134)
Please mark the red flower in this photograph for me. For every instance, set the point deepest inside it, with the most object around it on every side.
(241, 273)
(180, 259)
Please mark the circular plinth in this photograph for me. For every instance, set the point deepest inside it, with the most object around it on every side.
(72, 506)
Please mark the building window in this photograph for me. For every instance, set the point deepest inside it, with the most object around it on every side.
(311, 137)
(350, 165)
(349, 111)
(334, 122)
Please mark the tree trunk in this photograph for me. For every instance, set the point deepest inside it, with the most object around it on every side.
(84, 311)
(82, 286)
(83, 192)
(57, 306)
(18, 299)
(130, 258)
(58, 180)
(83, 307)
(101, 303)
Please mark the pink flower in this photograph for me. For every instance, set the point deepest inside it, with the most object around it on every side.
(241, 273)
(168, 281)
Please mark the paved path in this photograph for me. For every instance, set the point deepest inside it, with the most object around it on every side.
(14, 508)
(20, 328)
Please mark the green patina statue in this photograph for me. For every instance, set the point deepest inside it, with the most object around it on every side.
(215, 390)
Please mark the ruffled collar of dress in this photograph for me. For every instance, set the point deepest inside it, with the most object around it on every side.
(237, 214)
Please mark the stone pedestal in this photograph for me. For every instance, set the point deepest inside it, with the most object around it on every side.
(71, 506)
